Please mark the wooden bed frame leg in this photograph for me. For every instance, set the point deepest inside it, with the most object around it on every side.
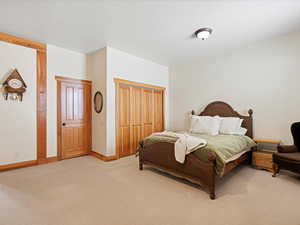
(141, 143)
(211, 189)
(212, 180)
(141, 165)
(275, 170)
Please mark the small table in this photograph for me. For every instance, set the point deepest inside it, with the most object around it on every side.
(263, 158)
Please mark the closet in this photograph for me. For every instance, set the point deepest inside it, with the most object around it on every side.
(139, 113)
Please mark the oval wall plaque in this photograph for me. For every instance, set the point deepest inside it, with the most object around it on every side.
(98, 102)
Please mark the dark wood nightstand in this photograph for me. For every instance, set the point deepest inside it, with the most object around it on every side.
(262, 158)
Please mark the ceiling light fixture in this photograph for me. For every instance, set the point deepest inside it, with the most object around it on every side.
(203, 33)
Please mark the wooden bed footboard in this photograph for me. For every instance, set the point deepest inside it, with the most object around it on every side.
(161, 155)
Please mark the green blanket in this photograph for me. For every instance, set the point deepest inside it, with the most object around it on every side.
(224, 146)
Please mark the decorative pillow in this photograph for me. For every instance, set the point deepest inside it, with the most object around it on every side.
(205, 125)
(230, 125)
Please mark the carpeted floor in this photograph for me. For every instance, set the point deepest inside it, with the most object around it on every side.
(87, 191)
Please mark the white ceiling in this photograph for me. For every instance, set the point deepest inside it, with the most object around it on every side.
(156, 30)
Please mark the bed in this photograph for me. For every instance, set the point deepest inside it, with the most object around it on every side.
(160, 154)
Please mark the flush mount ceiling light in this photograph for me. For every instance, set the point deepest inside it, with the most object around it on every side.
(203, 33)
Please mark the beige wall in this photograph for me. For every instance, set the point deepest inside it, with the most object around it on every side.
(264, 76)
(97, 72)
(18, 126)
(107, 64)
(129, 67)
(18, 119)
(65, 63)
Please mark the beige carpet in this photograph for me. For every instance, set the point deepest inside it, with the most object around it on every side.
(87, 191)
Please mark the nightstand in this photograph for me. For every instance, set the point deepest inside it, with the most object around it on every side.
(262, 157)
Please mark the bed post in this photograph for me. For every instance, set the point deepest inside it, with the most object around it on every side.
(211, 184)
(212, 194)
(141, 164)
(141, 155)
(250, 125)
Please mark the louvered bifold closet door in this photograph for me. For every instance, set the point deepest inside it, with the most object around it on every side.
(140, 113)
(158, 110)
(148, 112)
(124, 136)
(136, 120)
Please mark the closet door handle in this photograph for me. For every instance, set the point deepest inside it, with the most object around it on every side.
(64, 124)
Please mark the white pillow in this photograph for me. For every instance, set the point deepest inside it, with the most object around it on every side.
(230, 125)
(205, 125)
(241, 131)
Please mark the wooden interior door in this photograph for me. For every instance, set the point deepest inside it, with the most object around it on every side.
(124, 121)
(74, 119)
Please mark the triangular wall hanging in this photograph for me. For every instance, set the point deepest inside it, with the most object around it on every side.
(14, 85)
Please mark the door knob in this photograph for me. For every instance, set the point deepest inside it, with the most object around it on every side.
(64, 124)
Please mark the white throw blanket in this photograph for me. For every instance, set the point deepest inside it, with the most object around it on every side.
(185, 144)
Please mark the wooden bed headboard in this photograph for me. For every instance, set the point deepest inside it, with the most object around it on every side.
(223, 109)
